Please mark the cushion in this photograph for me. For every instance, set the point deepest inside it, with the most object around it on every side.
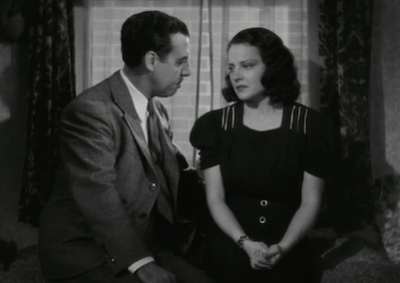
(25, 268)
(387, 214)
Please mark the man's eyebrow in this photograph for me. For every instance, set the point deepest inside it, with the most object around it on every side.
(182, 58)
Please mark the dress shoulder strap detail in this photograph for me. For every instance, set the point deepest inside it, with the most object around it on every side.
(228, 117)
(298, 119)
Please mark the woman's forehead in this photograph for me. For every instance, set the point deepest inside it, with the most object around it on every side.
(242, 52)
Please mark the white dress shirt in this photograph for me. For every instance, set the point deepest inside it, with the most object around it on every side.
(140, 105)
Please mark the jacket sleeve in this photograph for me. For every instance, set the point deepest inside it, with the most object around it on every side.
(87, 144)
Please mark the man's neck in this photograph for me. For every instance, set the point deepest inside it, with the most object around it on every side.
(139, 79)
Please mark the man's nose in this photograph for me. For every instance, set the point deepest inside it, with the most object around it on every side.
(186, 72)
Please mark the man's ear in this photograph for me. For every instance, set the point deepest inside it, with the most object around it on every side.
(150, 60)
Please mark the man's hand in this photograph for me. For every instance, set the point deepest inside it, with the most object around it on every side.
(152, 273)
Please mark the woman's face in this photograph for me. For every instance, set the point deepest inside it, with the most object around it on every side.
(245, 69)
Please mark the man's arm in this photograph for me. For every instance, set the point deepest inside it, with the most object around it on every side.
(87, 148)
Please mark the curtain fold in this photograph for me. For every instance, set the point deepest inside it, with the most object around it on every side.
(385, 88)
(385, 130)
(51, 88)
(345, 50)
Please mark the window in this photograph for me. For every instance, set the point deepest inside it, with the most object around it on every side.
(288, 18)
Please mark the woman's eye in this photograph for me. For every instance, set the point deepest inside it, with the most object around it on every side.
(247, 66)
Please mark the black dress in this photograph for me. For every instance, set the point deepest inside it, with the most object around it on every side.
(262, 173)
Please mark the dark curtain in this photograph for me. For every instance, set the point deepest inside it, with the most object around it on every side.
(345, 32)
(51, 88)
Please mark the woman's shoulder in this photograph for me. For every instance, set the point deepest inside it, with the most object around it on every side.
(217, 116)
(296, 106)
(209, 125)
(303, 117)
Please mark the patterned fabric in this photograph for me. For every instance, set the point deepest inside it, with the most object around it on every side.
(351, 258)
(367, 265)
(25, 269)
(345, 47)
(387, 214)
(51, 88)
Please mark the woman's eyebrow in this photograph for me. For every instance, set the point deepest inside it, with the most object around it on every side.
(244, 61)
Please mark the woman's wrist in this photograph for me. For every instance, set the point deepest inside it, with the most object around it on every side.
(283, 248)
(240, 241)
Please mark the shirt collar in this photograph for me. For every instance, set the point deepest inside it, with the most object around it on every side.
(140, 101)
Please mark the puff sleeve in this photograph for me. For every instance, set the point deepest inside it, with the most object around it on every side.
(205, 137)
(319, 146)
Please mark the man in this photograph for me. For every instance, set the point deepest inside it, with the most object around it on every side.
(117, 189)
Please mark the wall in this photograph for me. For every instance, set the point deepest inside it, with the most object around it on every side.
(13, 101)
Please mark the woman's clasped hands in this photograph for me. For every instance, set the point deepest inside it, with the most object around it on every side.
(261, 256)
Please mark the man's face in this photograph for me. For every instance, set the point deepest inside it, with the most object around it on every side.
(171, 70)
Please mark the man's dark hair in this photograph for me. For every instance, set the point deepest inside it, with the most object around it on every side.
(280, 76)
(148, 31)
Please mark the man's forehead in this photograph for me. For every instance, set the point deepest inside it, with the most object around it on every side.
(180, 43)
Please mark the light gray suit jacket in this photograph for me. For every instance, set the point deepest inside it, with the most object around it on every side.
(107, 185)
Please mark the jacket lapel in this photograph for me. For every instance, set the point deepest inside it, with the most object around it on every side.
(122, 98)
(170, 164)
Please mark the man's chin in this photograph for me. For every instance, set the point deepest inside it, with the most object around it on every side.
(168, 93)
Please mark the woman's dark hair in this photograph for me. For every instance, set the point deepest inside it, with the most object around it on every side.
(280, 76)
(148, 31)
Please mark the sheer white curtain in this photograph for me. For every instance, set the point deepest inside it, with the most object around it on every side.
(211, 24)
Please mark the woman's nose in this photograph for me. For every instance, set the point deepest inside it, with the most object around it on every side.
(236, 76)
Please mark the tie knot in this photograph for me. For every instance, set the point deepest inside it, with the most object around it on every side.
(150, 107)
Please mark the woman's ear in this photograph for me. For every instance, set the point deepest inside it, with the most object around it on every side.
(150, 60)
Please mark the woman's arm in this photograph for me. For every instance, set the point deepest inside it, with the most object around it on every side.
(304, 218)
(226, 220)
(220, 212)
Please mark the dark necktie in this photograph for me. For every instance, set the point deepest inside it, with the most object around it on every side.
(164, 200)
(153, 135)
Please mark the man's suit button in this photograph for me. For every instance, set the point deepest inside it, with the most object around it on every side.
(113, 260)
(153, 187)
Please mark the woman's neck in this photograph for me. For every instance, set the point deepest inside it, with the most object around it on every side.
(261, 108)
(262, 115)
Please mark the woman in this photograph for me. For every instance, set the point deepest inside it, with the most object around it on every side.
(265, 159)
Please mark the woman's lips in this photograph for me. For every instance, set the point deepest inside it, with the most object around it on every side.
(240, 87)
